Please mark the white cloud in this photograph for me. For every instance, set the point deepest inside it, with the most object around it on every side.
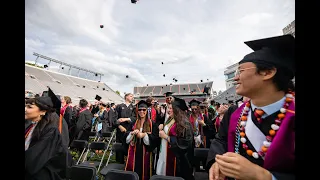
(196, 39)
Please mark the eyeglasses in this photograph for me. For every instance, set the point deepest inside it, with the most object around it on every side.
(194, 109)
(142, 109)
(239, 71)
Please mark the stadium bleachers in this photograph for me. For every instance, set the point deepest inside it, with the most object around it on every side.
(225, 96)
(37, 80)
(186, 91)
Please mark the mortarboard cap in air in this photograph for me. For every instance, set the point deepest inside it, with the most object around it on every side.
(277, 51)
(194, 102)
(142, 104)
(169, 93)
(98, 98)
(180, 103)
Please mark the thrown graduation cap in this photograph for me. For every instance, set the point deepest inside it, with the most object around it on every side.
(180, 103)
(101, 26)
(184, 88)
(194, 102)
(169, 93)
(164, 75)
(161, 62)
(277, 51)
(201, 80)
(134, 1)
(98, 98)
(143, 104)
(127, 76)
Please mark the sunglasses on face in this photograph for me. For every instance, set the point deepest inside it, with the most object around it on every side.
(194, 109)
(142, 109)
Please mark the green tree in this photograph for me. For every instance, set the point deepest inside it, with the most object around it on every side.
(117, 92)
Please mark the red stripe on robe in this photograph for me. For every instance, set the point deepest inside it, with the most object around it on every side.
(171, 158)
(147, 158)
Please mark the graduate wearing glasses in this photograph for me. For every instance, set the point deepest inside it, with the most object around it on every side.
(141, 141)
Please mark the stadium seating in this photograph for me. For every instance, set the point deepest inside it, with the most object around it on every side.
(37, 80)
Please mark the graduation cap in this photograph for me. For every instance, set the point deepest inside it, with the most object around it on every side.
(194, 102)
(127, 76)
(134, 1)
(180, 103)
(201, 80)
(143, 104)
(164, 75)
(169, 93)
(277, 51)
(101, 26)
(51, 100)
(98, 98)
(161, 62)
(184, 88)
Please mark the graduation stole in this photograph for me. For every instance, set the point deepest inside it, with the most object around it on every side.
(168, 123)
(63, 109)
(27, 131)
(134, 139)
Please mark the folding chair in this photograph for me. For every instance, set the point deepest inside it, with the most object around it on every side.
(92, 148)
(160, 177)
(82, 173)
(116, 147)
(200, 154)
(121, 175)
(78, 145)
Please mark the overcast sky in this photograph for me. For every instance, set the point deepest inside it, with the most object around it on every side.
(195, 39)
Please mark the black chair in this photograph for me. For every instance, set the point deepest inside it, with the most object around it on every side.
(201, 152)
(94, 146)
(121, 175)
(160, 177)
(82, 173)
(79, 145)
(116, 147)
(200, 155)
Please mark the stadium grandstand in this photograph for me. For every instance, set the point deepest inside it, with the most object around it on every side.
(38, 79)
(227, 95)
(198, 91)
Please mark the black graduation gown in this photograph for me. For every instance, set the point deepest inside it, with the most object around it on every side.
(183, 149)
(102, 119)
(95, 109)
(138, 157)
(68, 116)
(112, 117)
(84, 125)
(124, 112)
(65, 130)
(219, 144)
(47, 158)
(208, 130)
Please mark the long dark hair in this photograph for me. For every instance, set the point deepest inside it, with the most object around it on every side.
(180, 118)
(146, 124)
(48, 119)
